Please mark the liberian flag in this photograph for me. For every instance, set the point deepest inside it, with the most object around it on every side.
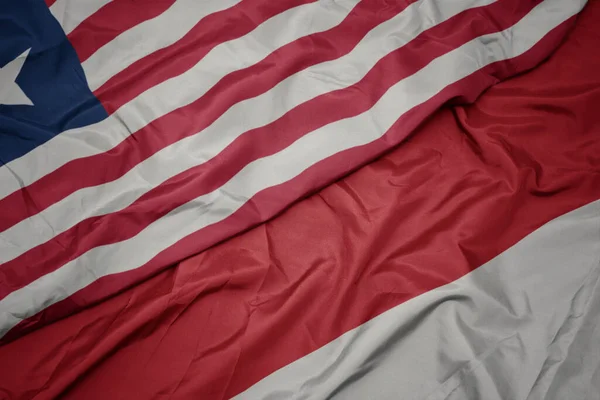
(463, 264)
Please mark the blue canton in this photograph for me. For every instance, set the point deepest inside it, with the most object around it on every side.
(51, 77)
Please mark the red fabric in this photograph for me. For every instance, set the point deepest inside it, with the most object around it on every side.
(466, 186)
(166, 63)
(112, 20)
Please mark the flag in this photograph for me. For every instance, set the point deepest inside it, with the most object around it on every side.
(356, 332)
(171, 131)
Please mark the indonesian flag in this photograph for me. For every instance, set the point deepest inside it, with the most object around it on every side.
(300, 199)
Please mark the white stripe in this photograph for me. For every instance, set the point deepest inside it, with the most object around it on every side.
(487, 335)
(173, 93)
(249, 114)
(285, 165)
(71, 13)
(148, 37)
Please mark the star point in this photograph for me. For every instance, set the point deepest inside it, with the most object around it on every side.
(10, 92)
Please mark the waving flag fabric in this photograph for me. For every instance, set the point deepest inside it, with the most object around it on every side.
(134, 138)
(463, 265)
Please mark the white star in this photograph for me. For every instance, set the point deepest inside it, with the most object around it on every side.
(10, 92)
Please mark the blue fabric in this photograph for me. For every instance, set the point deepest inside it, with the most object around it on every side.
(52, 77)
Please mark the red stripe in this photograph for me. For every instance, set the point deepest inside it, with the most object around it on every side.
(186, 121)
(110, 21)
(174, 60)
(190, 331)
(274, 137)
(49, 2)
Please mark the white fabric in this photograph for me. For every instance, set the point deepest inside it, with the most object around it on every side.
(10, 91)
(71, 13)
(141, 40)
